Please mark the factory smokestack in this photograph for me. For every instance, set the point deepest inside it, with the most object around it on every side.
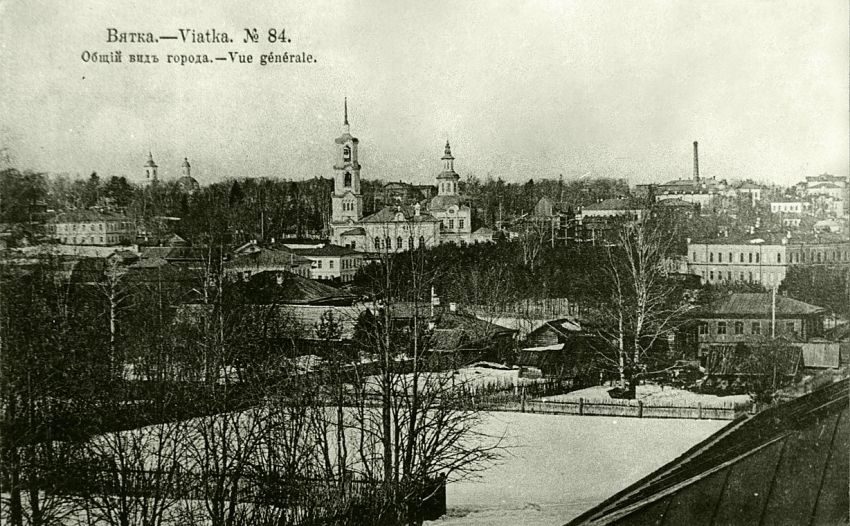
(696, 162)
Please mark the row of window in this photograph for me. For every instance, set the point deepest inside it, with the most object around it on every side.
(89, 240)
(347, 263)
(769, 278)
(738, 327)
(92, 227)
(347, 207)
(749, 258)
(450, 223)
(399, 245)
(795, 257)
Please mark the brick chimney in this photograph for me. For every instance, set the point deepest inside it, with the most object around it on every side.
(696, 162)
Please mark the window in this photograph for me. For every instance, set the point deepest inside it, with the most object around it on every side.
(710, 275)
(421, 241)
(389, 243)
(346, 154)
(728, 275)
(756, 327)
(398, 243)
(353, 245)
(695, 257)
(758, 257)
(410, 243)
(346, 180)
(451, 223)
(720, 257)
(319, 264)
(721, 327)
(702, 328)
(730, 258)
(739, 327)
(751, 277)
(779, 258)
(711, 257)
(742, 257)
(751, 257)
(460, 223)
(377, 243)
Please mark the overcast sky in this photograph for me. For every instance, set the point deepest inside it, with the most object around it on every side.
(522, 89)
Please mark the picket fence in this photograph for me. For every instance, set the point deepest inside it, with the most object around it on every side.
(623, 408)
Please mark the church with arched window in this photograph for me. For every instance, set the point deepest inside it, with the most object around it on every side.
(391, 229)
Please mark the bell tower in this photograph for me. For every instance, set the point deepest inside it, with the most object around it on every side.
(347, 201)
(448, 179)
(150, 169)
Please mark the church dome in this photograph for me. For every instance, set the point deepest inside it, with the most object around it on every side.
(188, 183)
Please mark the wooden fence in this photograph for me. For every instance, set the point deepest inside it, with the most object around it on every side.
(624, 408)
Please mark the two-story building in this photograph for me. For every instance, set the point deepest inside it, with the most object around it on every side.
(92, 227)
(762, 258)
(330, 262)
(752, 319)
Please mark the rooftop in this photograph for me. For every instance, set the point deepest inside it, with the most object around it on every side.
(326, 251)
(272, 287)
(784, 465)
(756, 304)
(615, 204)
(389, 213)
(87, 216)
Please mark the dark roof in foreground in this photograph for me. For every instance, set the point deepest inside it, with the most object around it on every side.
(757, 304)
(785, 465)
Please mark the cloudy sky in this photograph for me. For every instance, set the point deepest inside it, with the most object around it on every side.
(522, 89)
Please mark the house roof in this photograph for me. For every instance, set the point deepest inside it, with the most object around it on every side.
(755, 304)
(326, 251)
(87, 216)
(285, 288)
(453, 331)
(357, 231)
(388, 215)
(443, 202)
(784, 465)
(615, 204)
(265, 257)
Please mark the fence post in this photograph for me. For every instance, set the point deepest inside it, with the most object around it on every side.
(581, 406)
(699, 410)
(640, 408)
(522, 408)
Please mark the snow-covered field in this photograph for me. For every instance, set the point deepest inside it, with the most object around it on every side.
(559, 466)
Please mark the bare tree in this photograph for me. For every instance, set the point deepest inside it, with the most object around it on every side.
(645, 305)
(421, 430)
(135, 475)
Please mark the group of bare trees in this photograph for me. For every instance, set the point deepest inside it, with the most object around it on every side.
(169, 397)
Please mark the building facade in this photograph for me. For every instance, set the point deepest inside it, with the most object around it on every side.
(754, 318)
(763, 260)
(91, 227)
(331, 262)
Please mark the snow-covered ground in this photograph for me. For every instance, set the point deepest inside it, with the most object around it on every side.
(652, 393)
(559, 466)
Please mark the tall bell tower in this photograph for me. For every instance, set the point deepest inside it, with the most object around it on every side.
(347, 201)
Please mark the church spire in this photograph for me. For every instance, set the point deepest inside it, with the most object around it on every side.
(345, 102)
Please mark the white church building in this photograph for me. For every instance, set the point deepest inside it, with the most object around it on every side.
(443, 218)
